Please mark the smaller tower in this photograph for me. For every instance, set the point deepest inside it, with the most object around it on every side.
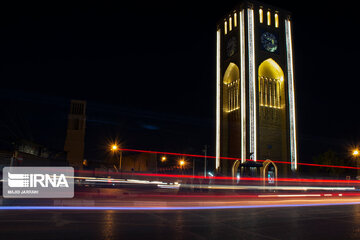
(75, 134)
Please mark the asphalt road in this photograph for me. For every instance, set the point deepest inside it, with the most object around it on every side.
(320, 222)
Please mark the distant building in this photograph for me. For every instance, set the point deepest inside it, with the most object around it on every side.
(139, 162)
(27, 153)
(75, 134)
(255, 110)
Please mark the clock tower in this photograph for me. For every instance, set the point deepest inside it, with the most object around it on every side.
(255, 92)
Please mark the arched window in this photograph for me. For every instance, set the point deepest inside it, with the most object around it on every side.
(271, 89)
(231, 88)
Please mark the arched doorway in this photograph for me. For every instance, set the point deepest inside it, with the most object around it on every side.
(269, 172)
(234, 168)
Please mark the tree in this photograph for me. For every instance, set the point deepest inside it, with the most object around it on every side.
(330, 158)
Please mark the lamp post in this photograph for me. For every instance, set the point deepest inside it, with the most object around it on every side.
(356, 154)
(182, 164)
(205, 152)
(114, 148)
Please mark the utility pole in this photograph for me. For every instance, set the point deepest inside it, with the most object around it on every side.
(205, 152)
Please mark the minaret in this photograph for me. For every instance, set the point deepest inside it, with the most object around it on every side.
(75, 134)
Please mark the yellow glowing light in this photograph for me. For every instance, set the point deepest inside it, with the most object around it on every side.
(225, 27)
(230, 24)
(271, 69)
(181, 163)
(261, 15)
(114, 147)
(269, 18)
(356, 152)
(276, 16)
(231, 73)
(235, 19)
(231, 77)
(163, 159)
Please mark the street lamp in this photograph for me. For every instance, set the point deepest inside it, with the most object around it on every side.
(182, 163)
(163, 159)
(356, 154)
(115, 147)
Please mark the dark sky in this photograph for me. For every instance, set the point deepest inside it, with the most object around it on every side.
(154, 65)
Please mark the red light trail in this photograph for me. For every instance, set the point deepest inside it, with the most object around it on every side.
(180, 176)
(304, 180)
(230, 158)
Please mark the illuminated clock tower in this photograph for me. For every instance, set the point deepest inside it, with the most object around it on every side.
(255, 95)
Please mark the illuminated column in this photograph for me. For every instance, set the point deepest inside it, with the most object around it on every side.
(230, 97)
(266, 91)
(270, 93)
(273, 96)
(234, 91)
(217, 160)
(252, 83)
(243, 85)
(237, 94)
(274, 92)
(261, 91)
(291, 90)
(278, 94)
(236, 97)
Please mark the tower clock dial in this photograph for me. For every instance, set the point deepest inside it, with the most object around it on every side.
(269, 42)
(231, 47)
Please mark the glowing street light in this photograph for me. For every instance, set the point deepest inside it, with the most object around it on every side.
(163, 159)
(114, 147)
(355, 153)
(182, 163)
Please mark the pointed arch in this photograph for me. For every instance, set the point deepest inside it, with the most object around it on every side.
(271, 86)
(235, 167)
(270, 69)
(232, 73)
(231, 82)
(265, 168)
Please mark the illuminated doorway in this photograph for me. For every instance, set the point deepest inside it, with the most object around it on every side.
(269, 172)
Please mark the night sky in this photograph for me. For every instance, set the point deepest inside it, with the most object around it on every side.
(147, 71)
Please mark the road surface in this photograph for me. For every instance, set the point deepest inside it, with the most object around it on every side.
(308, 222)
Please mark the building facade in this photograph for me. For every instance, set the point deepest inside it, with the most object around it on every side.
(255, 92)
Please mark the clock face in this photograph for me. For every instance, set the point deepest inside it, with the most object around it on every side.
(231, 47)
(269, 42)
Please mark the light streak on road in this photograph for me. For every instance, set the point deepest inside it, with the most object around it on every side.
(178, 176)
(105, 208)
(231, 158)
(269, 188)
